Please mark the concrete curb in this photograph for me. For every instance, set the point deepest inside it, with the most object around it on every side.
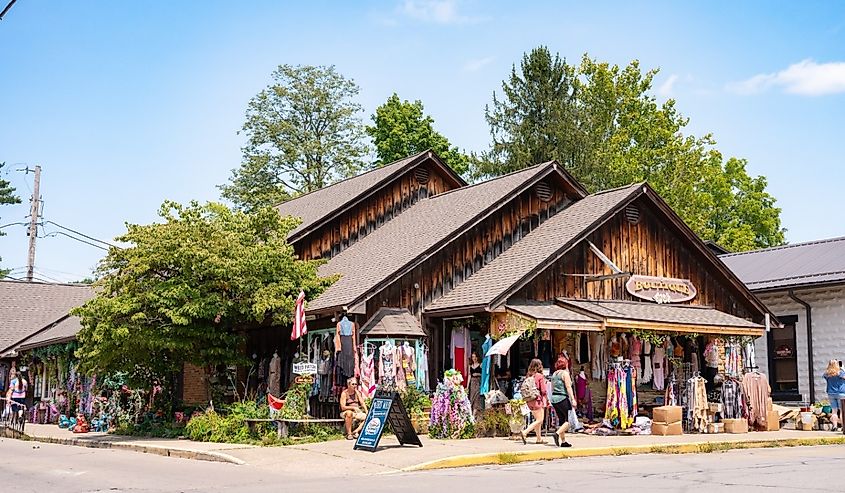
(146, 449)
(552, 454)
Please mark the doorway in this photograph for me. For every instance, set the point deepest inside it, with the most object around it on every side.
(783, 360)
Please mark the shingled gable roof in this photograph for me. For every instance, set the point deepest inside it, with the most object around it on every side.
(321, 205)
(417, 233)
(551, 239)
(28, 308)
(512, 270)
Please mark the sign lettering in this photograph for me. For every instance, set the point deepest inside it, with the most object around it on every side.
(305, 368)
(661, 289)
(386, 408)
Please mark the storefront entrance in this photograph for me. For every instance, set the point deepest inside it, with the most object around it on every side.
(783, 360)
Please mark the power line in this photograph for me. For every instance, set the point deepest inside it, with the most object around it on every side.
(6, 10)
(80, 234)
(54, 233)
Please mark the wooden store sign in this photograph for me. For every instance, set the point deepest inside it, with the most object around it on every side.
(661, 289)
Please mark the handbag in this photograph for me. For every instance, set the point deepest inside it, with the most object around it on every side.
(574, 423)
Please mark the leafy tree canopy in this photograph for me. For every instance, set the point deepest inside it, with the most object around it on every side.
(303, 131)
(602, 123)
(7, 196)
(401, 129)
(187, 288)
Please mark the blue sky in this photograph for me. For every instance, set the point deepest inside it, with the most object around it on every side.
(126, 104)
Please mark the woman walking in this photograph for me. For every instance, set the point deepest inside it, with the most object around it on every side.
(563, 400)
(835, 377)
(533, 391)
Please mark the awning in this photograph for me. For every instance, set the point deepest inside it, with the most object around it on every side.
(502, 346)
(628, 315)
(599, 315)
(554, 316)
(392, 322)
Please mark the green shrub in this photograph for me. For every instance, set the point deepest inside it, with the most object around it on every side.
(493, 422)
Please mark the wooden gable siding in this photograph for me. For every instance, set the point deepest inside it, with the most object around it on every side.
(348, 227)
(646, 248)
(470, 251)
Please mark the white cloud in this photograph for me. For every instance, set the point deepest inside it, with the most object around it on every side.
(436, 11)
(806, 78)
(477, 64)
(668, 86)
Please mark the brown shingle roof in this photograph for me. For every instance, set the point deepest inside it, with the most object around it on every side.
(63, 331)
(324, 203)
(392, 322)
(654, 312)
(538, 247)
(417, 231)
(800, 264)
(28, 307)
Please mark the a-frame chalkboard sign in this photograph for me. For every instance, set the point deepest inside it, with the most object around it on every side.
(386, 408)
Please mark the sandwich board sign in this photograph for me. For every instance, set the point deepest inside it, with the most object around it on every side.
(386, 408)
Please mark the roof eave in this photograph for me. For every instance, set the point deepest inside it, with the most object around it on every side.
(422, 157)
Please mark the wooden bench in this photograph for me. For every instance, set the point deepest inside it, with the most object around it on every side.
(283, 425)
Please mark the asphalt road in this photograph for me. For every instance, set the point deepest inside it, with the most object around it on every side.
(36, 467)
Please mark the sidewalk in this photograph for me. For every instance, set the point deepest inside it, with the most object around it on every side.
(336, 458)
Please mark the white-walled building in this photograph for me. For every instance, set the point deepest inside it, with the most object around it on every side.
(804, 286)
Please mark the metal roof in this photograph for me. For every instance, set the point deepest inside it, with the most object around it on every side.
(789, 266)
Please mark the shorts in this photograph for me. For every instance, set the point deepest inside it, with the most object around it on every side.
(562, 409)
(834, 400)
(356, 415)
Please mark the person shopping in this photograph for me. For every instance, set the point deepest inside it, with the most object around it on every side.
(533, 390)
(835, 377)
(563, 400)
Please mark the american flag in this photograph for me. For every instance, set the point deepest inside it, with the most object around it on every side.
(300, 327)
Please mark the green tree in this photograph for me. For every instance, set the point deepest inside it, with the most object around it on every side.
(303, 131)
(187, 288)
(7, 196)
(401, 129)
(602, 123)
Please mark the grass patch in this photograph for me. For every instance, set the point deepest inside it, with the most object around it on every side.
(663, 449)
(506, 458)
(620, 451)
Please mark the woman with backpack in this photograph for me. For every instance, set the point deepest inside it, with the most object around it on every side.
(533, 391)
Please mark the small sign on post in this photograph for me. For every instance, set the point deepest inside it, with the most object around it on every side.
(305, 368)
(386, 408)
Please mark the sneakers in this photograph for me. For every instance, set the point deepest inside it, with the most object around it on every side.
(557, 439)
(566, 444)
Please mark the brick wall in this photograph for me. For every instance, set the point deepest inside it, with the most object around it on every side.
(194, 385)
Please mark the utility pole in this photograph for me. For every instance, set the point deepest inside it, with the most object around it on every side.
(34, 207)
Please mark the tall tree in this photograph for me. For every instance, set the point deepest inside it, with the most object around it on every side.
(401, 128)
(7, 196)
(186, 289)
(602, 123)
(303, 131)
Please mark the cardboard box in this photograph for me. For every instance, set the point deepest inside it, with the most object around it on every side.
(667, 414)
(715, 407)
(772, 421)
(716, 428)
(664, 429)
(735, 425)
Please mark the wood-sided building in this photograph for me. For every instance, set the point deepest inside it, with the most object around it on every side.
(527, 241)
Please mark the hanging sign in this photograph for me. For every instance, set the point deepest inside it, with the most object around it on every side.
(661, 289)
(305, 368)
(386, 408)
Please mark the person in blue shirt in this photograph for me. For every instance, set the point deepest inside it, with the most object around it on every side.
(835, 377)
